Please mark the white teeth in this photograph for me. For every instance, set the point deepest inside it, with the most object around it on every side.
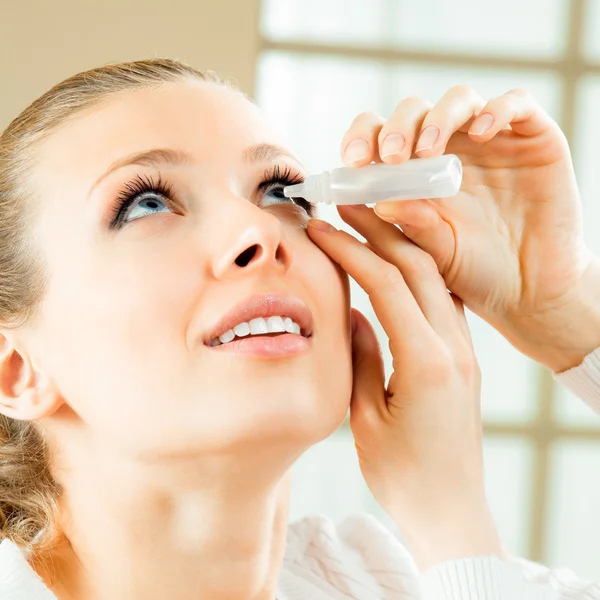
(258, 326)
(275, 325)
(242, 330)
(227, 336)
(289, 325)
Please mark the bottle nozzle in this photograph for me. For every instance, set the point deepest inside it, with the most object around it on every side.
(294, 191)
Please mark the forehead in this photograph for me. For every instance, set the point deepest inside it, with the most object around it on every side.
(201, 118)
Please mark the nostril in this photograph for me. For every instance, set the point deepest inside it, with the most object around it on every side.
(247, 255)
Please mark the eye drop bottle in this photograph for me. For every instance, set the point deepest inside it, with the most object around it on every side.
(438, 177)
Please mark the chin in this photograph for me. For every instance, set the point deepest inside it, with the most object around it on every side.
(312, 421)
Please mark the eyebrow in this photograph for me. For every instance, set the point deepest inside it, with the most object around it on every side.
(168, 156)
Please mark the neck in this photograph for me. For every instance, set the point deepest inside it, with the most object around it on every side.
(199, 528)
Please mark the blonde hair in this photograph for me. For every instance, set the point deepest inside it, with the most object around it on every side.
(28, 493)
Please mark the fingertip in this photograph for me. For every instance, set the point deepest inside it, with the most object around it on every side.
(481, 137)
(437, 150)
(386, 211)
(318, 225)
(356, 164)
(392, 147)
(396, 158)
(483, 126)
(358, 152)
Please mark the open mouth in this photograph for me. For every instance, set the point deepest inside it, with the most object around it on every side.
(272, 326)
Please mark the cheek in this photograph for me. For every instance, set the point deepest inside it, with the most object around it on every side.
(115, 338)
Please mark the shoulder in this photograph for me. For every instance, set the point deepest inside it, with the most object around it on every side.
(357, 558)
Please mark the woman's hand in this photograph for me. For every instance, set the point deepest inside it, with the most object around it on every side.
(419, 441)
(510, 244)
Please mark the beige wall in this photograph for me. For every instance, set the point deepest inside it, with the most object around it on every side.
(44, 41)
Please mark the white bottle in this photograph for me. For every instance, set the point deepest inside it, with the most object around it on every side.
(438, 177)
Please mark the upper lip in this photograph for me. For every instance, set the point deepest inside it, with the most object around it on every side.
(264, 305)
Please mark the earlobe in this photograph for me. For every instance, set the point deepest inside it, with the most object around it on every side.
(25, 393)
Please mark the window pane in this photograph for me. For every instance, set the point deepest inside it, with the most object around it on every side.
(586, 156)
(313, 100)
(329, 21)
(509, 379)
(510, 504)
(574, 526)
(591, 43)
(571, 410)
(535, 28)
(505, 28)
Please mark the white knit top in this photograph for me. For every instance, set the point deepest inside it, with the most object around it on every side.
(360, 559)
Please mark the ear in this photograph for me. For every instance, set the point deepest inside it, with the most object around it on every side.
(26, 393)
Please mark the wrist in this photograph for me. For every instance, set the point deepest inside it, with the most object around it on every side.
(563, 336)
(468, 534)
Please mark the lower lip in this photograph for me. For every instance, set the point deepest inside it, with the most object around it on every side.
(286, 344)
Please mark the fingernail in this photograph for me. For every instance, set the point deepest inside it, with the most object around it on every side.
(482, 124)
(385, 211)
(392, 144)
(357, 150)
(321, 225)
(428, 138)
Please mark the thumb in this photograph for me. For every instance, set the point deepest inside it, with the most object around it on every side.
(368, 389)
(422, 224)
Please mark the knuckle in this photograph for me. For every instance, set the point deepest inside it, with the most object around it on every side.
(462, 90)
(439, 366)
(466, 364)
(389, 276)
(520, 94)
(465, 93)
(415, 102)
(421, 262)
(364, 119)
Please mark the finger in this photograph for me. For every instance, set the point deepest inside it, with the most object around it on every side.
(397, 136)
(418, 268)
(454, 112)
(359, 144)
(368, 388)
(516, 108)
(422, 223)
(462, 318)
(395, 306)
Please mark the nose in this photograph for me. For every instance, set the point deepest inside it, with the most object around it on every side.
(253, 240)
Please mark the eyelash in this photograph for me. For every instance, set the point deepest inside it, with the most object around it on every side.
(273, 178)
(277, 177)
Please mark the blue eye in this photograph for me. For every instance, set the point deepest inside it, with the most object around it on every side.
(151, 201)
(276, 194)
(143, 194)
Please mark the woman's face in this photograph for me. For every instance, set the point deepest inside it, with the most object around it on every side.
(134, 302)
